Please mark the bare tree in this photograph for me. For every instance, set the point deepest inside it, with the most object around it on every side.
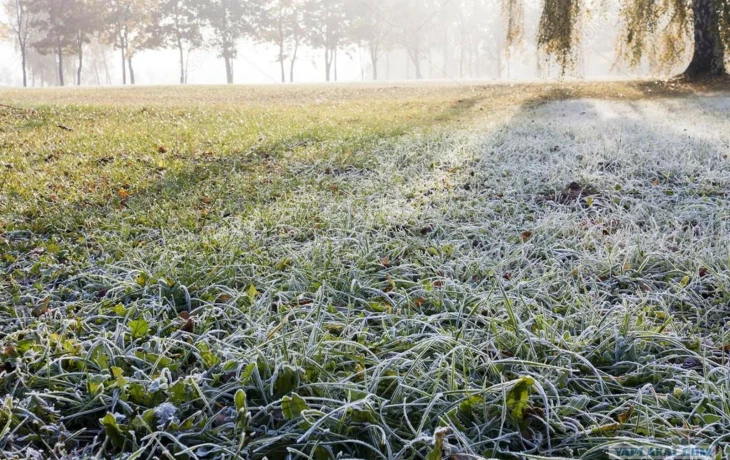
(228, 22)
(281, 25)
(372, 28)
(328, 24)
(177, 24)
(20, 23)
(127, 28)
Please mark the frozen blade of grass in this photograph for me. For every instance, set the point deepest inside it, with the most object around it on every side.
(387, 268)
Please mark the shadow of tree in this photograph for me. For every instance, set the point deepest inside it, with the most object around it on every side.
(658, 175)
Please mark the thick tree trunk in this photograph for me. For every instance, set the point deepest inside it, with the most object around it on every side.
(59, 53)
(709, 51)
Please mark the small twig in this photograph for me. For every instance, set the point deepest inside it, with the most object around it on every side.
(65, 128)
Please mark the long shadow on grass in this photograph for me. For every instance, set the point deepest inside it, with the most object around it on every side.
(603, 222)
(654, 190)
(559, 257)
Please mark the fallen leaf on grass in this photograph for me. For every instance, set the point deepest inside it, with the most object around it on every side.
(189, 326)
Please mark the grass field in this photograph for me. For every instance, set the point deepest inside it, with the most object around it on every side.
(364, 271)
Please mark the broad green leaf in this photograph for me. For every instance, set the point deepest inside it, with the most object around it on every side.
(120, 310)
(467, 406)
(252, 292)
(287, 380)
(178, 392)
(112, 430)
(209, 358)
(293, 406)
(518, 397)
(240, 400)
(139, 328)
(247, 373)
(118, 374)
(283, 264)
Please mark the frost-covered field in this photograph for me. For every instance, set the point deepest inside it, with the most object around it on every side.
(453, 273)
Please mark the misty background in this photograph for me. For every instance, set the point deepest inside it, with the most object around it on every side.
(452, 40)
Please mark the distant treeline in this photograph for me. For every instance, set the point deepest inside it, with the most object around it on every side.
(464, 36)
(464, 33)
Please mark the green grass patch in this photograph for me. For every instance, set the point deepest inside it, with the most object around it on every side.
(365, 272)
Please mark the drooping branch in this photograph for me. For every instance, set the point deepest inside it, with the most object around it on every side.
(658, 30)
(559, 32)
(514, 17)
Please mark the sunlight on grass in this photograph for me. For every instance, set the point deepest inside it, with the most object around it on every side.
(485, 272)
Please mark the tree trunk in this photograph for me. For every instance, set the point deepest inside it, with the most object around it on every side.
(374, 60)
(281, 62)
(335, 64)
(107, 73)
(59, 53)
(387, 66)
(124, 66)
(416, 58)
(23, 60)
(445, 72)
(96, 73)
(430, 61)
(229, 68)
(293, 61)
(81, 59)
(462, 52)
(327, 63)
(182, 61)
(131, 70)
(709, 51)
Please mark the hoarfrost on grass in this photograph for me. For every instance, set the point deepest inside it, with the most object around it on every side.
(550, 283)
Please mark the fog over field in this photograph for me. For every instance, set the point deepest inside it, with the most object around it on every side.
(450, 40)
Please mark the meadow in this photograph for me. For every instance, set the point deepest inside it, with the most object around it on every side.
(364, 271)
